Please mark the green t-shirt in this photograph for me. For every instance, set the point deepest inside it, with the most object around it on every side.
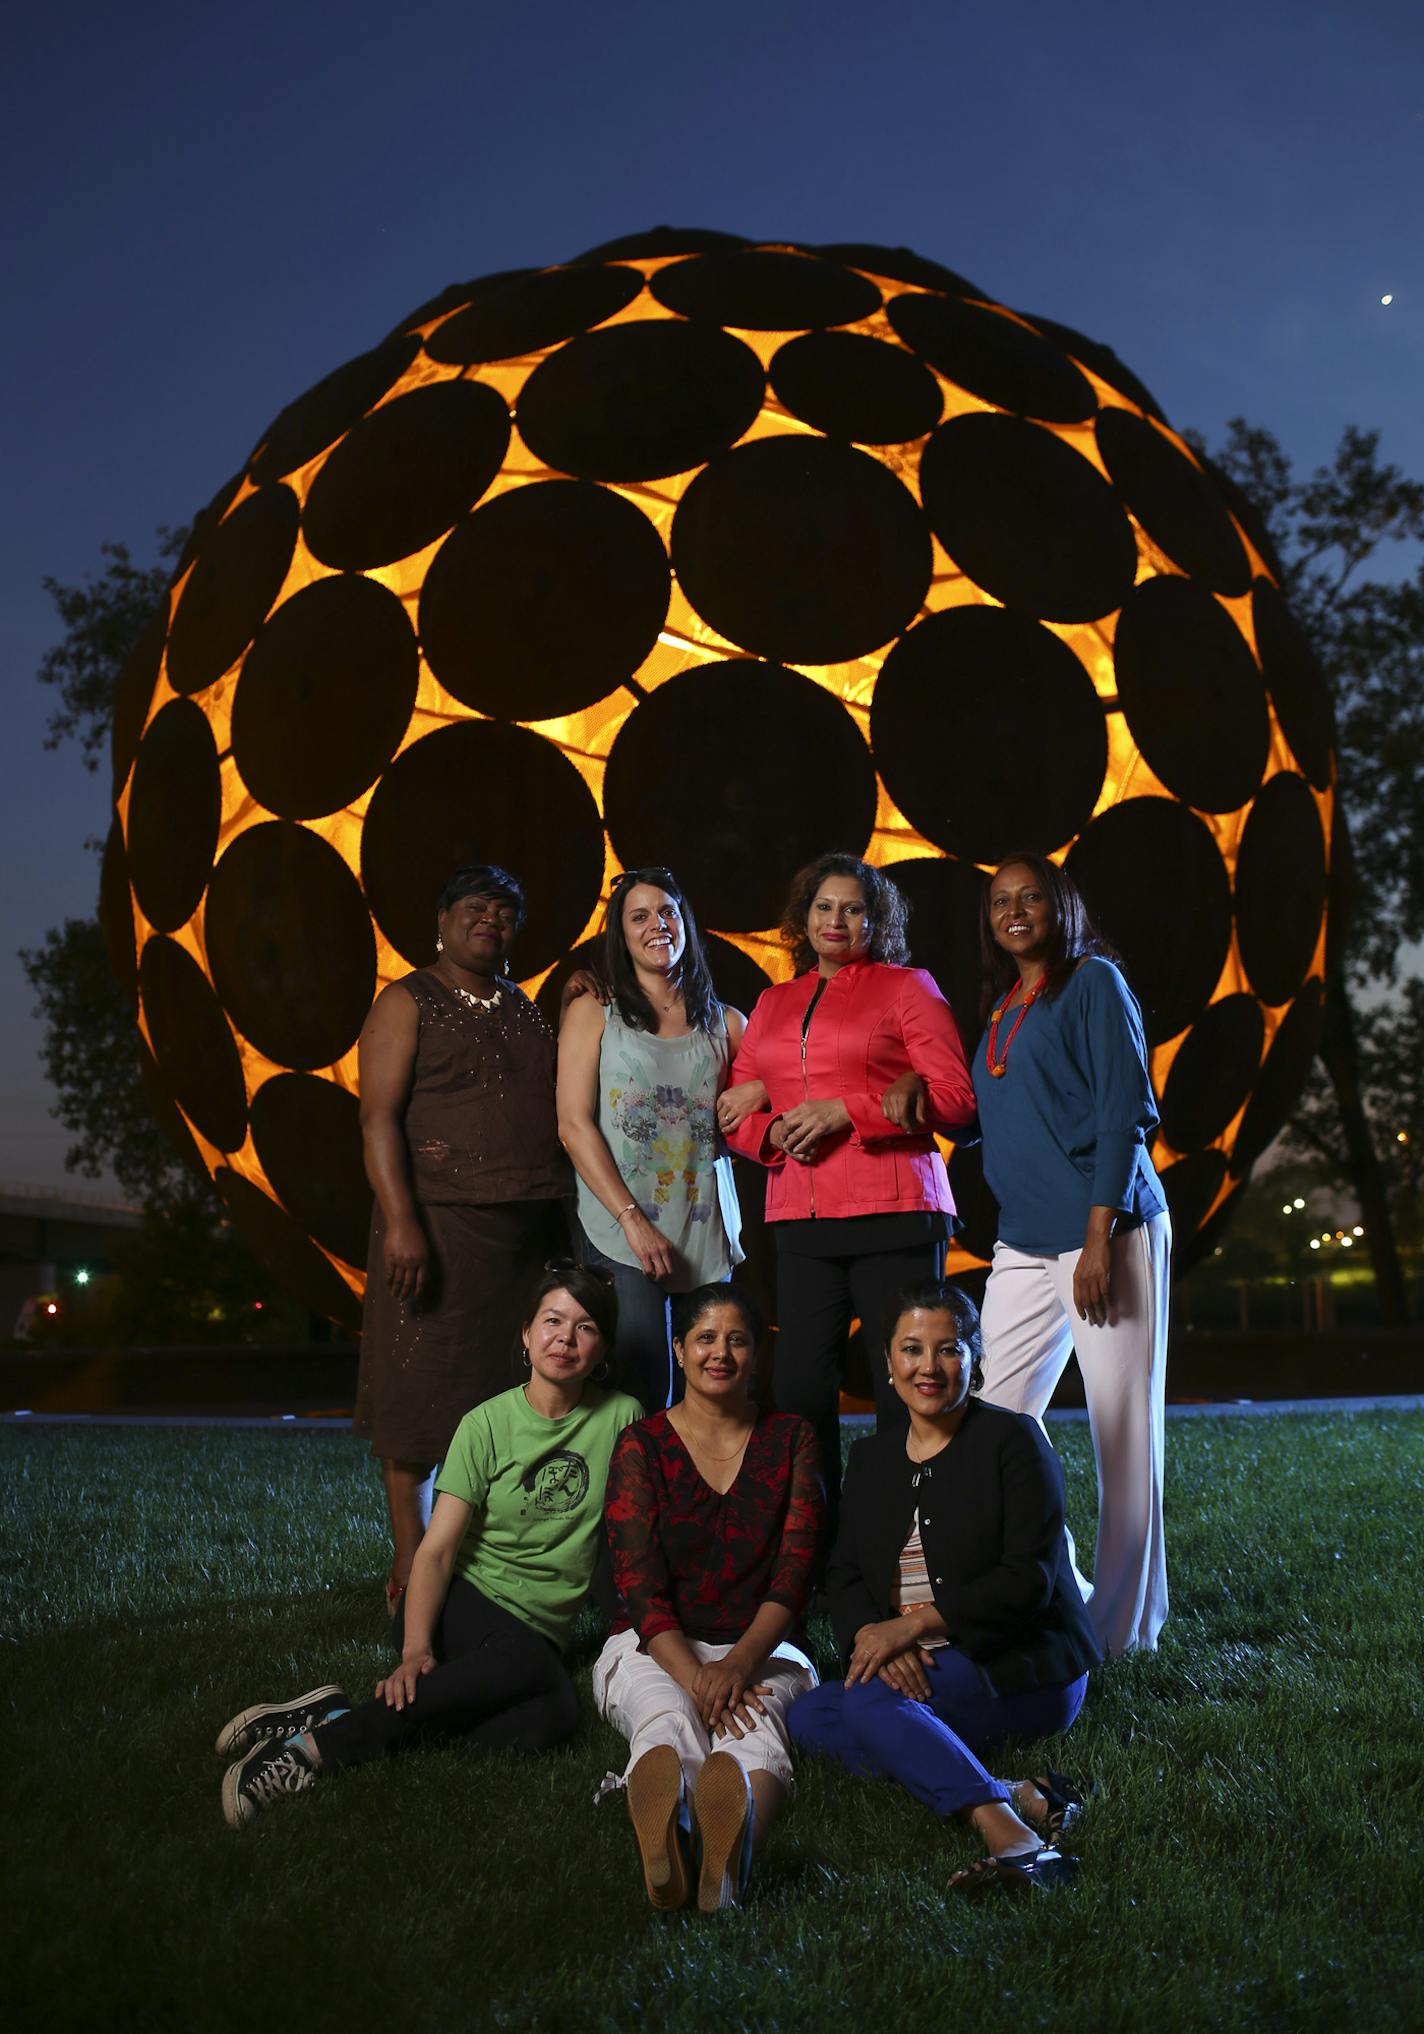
(536, 1488)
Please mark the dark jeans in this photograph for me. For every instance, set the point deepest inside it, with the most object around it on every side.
(499, 1686)
(642, 1355)
(933, 1749)
(817, 1297)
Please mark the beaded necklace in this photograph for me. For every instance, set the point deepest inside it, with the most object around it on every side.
(998, 1061)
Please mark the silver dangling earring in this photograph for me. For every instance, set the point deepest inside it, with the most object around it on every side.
(439, 944)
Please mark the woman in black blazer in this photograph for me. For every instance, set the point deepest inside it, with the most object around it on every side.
(954, 1604)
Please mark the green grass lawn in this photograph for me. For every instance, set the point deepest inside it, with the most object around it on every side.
(1253, 1859)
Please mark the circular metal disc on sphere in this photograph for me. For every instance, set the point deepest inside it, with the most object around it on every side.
(295, 1263)
(1282, 1076)
(325, 695)
(851, 386)
(166, 1113)
(1191, 1185)
(1212, 1073)
(206, 521)
(1192, 694)
(457, 296)
(133, 695)
(116, 919)
(763, 290)
(307, 1134)
(404, 474)
(196, 1052)
(943, 897)
(1295, 682)
(1155, 883)
(1027, 517)
(802, 550)
(1280, 887)
(483, 792)
(231, 589)
(640, 401)
(532, 311)
(1039, 738)
(660, 242)
(900, 264)
(1174, 501)
(175, 808)
(994, 357)
(790, 772)
(290, 945)
(544, 600)
(318, 418)
(1100, 360)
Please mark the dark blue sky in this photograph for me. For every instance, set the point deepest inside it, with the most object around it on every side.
(211, 208)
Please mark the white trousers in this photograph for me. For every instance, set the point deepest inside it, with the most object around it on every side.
(1031, 1327)
(642, 1701)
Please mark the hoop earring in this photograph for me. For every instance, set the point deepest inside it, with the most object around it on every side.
(526, 1360)
(602, 1374)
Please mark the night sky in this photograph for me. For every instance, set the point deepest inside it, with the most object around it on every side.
(211, 208)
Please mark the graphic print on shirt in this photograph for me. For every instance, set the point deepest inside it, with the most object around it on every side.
(557, 1484)
(668, 1135)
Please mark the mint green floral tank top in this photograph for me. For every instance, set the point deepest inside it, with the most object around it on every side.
(657, 1102)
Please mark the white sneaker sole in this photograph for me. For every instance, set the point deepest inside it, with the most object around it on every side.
(235, 1737)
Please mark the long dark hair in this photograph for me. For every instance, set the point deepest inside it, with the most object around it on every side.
(694, 978)
(887, 907)
(1074, 933)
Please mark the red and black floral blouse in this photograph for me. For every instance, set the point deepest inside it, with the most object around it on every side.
(701, 1561)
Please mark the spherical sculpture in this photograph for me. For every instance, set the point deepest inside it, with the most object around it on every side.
(714, 554)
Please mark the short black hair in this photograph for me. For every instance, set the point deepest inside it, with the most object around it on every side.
(689, 1307)
(482, 879)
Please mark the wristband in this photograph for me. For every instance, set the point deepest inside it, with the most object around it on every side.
(629, 1210)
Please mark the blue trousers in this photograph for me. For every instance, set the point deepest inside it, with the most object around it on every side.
(932, 1748)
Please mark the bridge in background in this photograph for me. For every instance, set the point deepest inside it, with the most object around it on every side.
(48, 1232)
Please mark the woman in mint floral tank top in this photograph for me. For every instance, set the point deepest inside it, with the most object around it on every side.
(639, 1078)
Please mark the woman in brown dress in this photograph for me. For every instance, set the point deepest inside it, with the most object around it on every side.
(462, 1149)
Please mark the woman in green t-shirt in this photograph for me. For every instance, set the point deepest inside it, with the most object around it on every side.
(498, 1578)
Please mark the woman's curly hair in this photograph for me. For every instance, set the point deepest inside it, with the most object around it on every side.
(887, 907)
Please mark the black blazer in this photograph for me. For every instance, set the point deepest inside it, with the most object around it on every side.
(991, 1524)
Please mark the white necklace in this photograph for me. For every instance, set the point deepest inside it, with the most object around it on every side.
(476, 1002)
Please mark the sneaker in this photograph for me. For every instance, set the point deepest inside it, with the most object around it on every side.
(269, 1721)
(722, 1803)
(267, 1773)
(658, 1811)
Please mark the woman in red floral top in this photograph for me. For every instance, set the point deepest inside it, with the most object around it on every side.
(714, 1512)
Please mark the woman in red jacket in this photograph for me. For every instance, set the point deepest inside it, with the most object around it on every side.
(861, 1202)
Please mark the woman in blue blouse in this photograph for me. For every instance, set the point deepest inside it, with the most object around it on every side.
(1083, 1256)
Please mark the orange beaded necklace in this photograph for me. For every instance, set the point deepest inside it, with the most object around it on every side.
(998, 1061)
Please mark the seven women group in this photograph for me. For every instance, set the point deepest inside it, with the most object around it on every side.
(632, 1424)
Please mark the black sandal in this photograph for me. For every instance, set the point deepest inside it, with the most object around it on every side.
(1047, 1869)
(1066, 1802)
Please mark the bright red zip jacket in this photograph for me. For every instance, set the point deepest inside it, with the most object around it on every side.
(872, 1023)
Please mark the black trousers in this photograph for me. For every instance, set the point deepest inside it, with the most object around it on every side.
(499, 1686)
(818, 1295)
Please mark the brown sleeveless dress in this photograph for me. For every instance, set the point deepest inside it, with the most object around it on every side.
(492, 1188)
